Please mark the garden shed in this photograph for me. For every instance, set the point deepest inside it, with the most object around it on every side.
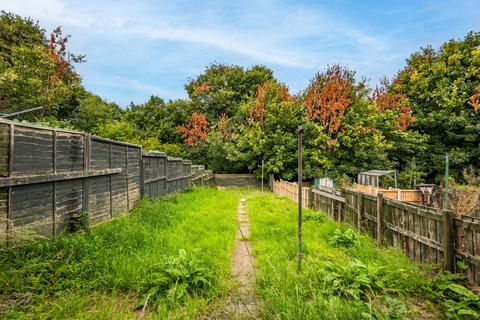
(372, 177)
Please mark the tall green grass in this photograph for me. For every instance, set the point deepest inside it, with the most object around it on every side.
(344, 275)
(168, 258)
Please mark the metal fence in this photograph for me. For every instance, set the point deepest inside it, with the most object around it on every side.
(53, 180)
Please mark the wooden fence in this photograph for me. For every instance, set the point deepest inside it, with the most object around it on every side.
(237, 180)
(201, 177)
(290, 190)
(413, 196)
(425, 234)
(52, 179)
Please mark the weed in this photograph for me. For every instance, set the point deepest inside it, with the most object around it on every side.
(346, 239)
(457, 301)
(317, 216)
(179, 276)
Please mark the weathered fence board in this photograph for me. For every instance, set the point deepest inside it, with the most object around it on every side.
(50, 178)
(423, 233)
(290, 190)
(4, 149)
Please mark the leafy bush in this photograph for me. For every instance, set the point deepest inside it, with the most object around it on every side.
(178, 276)
(346, 239)
(351, 281)
(457, 301)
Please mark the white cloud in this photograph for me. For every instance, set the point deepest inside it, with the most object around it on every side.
(263, 40)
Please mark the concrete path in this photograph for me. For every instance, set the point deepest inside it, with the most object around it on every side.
(242, 302)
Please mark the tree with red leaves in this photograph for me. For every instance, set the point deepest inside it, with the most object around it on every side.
(475, 101)
(270, 91)
(328, 96)
(62, 57)
(385, 99)
(195, 130)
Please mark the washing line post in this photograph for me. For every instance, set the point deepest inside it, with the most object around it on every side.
(262, 174)
(299, 173)
(445, 196)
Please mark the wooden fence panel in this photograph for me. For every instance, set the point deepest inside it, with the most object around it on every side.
(154, 171)
(69, 152)
(119, 195)
(33, 151)
(351, 206)
(290, 190)
(416, 230)
(369, 216)
(31, 208)
(4, 149)
(134, 158)
(50, 178)
(467, 245)
(68, 203)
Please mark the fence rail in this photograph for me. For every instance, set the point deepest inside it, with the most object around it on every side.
(52, 178)
(426, 235)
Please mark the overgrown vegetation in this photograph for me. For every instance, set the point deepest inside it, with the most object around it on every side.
(344, 276)
(167, 258)
(235, 117)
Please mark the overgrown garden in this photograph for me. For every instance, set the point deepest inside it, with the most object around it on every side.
(171, 258)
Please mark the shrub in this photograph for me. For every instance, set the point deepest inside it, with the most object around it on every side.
(179, 276)
(346, 239)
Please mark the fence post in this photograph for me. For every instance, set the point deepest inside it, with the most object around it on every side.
(448, 244)
(379, 218)
(339, 211)
(142, 175)
(360, 209)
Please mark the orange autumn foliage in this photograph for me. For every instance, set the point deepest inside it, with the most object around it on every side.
(328, 96)
(203, 87)
(385, 100)
(475, 101)
(267, 92)
(195, 130)
(62, 58)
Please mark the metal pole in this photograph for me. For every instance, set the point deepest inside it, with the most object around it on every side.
(7, 115)
(262, 174)
(445, 196)
(299, 231)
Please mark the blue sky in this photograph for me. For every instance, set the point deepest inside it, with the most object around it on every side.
(138, 48)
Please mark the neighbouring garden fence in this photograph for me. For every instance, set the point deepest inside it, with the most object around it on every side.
(290, 190)
(426, 235)
(55, 180)
(201, 177)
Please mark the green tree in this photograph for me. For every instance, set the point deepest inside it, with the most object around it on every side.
(441, 86)
(93, 114)
(220, 89)
(34, 72)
